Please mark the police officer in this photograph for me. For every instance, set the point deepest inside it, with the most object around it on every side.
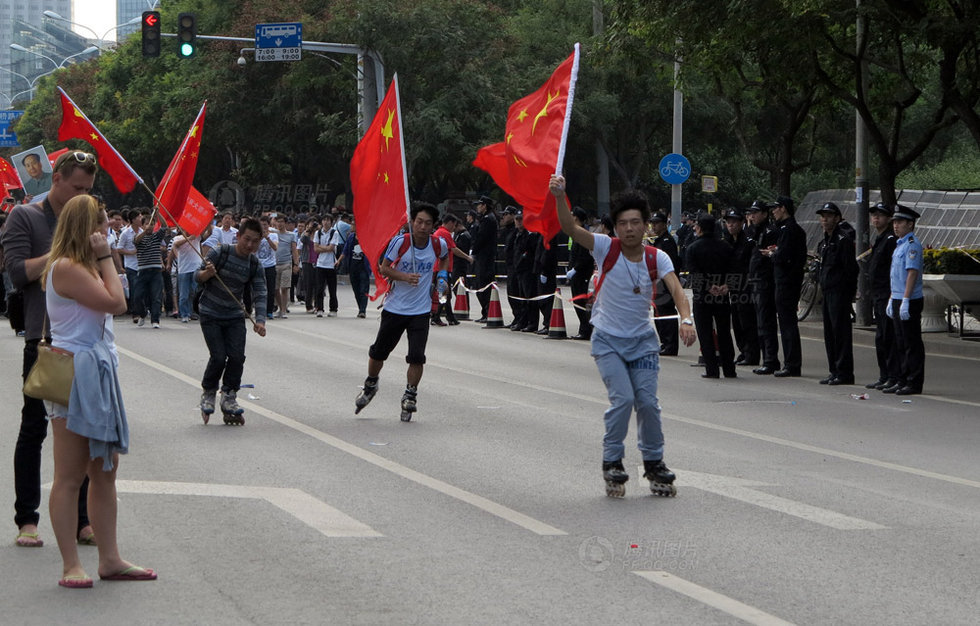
(905, 307)
(838, 281)
(664, 303)
(763, 235)
(709, 260)
(879, 281)
(484, 253)
(743, 313)
(788, 264)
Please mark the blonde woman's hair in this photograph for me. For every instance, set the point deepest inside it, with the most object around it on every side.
(79, 218)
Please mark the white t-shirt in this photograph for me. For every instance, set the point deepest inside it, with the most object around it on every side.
(187, 259)
(403, 298)
(326, 238)
(220, 236)
(618, 311)
(126, 242)
(267, 256)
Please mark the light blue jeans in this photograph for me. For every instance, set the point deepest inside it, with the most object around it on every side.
(186, 286)
(630, 368)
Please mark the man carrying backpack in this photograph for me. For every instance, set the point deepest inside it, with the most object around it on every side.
(625, 344)
(223, 317)
(408, 264)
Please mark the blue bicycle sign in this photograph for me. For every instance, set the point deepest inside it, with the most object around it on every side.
(675, 169)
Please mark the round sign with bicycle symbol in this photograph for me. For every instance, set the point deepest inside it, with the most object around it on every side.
(675, 169)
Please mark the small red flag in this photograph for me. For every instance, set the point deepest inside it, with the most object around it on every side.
(8, 175)
(53, 156)
(533, 147)
(74, 125)
(197, 213)
(176, 184)
(379, 182)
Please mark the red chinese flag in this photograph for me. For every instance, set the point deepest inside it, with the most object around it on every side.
(379, 183)
(8, 175)
(173, 190)
(74, 125)
(197, 213)
(533, 148)
(53, 156)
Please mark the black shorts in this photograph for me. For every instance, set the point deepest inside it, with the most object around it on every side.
(392, 327)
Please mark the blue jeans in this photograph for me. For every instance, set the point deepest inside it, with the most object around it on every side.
(149, 293)
(226, 343)
(630, 368)
(360, 282)
(186, 286)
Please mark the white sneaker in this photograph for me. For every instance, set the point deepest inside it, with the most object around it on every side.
(319, 313)
(184, 320)
(156, 324)
(141, 322)
(332, 314)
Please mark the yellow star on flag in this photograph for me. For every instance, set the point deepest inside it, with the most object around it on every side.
(194, 132)
(386, 131)
(78, 113)
(522, 115)
(509, 137)
(94, 136)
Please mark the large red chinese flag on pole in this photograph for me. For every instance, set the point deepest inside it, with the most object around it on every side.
(8, 175)
(534, 147)
(74, 125)
(379, 181)
(172, 192)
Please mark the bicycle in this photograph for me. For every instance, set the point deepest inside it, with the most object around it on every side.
(810, 291)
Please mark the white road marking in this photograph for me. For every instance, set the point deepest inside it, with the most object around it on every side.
(739, 489)
(494, 508)
(713, 599)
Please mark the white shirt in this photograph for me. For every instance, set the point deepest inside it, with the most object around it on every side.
(321, 238)
(220, 236)
(406, 299)
(187, 259)
(618, 311)
(126, 242)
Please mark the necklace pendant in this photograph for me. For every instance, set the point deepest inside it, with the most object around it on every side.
(636, 290)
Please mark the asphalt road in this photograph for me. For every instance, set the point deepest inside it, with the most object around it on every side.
(796, 504)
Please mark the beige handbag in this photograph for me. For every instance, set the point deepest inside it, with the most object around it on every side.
(51, 376)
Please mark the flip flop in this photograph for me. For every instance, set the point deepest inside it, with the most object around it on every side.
(76, 582)
(87, 539)
(29, 540)
(133, 572)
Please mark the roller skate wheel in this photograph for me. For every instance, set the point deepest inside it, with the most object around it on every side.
(615, 490)
(206, 417)
(234, 420)
(406, 416)
(663, 490)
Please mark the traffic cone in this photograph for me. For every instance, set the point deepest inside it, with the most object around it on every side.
(556, 327)
(495, 316)
(461, 306)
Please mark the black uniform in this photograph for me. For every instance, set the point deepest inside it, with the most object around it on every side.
(763, 288)
(740, 296)
(838, 281)
(709, 260)
(789, 265)
(524, 267)
(685, 236)
(517, 281)
(580, 259)
(546, 275)
(485, 256)
(505, 236)
(879, 279)
(461, 267)
(664, 303)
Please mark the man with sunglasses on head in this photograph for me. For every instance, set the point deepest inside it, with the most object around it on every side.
(26, 242)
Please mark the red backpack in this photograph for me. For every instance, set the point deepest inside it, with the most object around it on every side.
(406, 242)
(615, 249)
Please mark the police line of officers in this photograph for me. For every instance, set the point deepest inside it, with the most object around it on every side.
(747, 279)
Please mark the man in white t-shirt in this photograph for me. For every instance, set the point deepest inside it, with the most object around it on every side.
(127, 250)
(408, 304)
(186, 251)
(225, 233)
(326, 242)
(625, 344)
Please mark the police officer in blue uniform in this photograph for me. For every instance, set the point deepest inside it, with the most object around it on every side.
(905, 307)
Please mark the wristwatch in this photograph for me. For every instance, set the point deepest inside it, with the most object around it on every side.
(687, 321)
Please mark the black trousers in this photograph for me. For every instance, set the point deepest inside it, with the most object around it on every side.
(711, 318)
(580, 286)
(764, 300)
(837, 332)
(309, 285)
(744, 325)
(225, 339)
(546, 304)
(515, 290)
(886, 349)
(787, 304)
(666, 329)
(911, 351)
(484, 276)
(27, 456)
(326, 282)
(529, 289)
(271, 289)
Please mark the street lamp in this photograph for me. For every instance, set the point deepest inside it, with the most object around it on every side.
(54, 16)
(57, 66)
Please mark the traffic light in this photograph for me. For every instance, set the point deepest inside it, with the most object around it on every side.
(186, 35)
(151, 33)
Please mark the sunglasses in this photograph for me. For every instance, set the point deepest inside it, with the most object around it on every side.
(80, 157)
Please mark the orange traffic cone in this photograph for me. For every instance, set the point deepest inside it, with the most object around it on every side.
(461, 306)
(495, 316)
(556, 327)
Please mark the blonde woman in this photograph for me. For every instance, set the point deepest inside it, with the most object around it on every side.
(83, 292)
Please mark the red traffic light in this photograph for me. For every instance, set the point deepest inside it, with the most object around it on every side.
(151, 18)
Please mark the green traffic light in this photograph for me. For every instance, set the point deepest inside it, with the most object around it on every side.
(186, 50)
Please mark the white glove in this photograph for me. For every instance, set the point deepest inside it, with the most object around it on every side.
(888, 308)
(569, 274)
(903, 311)
(543, 278)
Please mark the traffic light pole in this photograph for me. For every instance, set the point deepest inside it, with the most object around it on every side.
(371, 70)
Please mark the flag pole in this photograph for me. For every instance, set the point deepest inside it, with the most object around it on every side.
(401, 146)
(568, 111)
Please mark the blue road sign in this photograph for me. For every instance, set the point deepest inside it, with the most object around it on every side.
(279, 42)
(8, 138)
(675, 168)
